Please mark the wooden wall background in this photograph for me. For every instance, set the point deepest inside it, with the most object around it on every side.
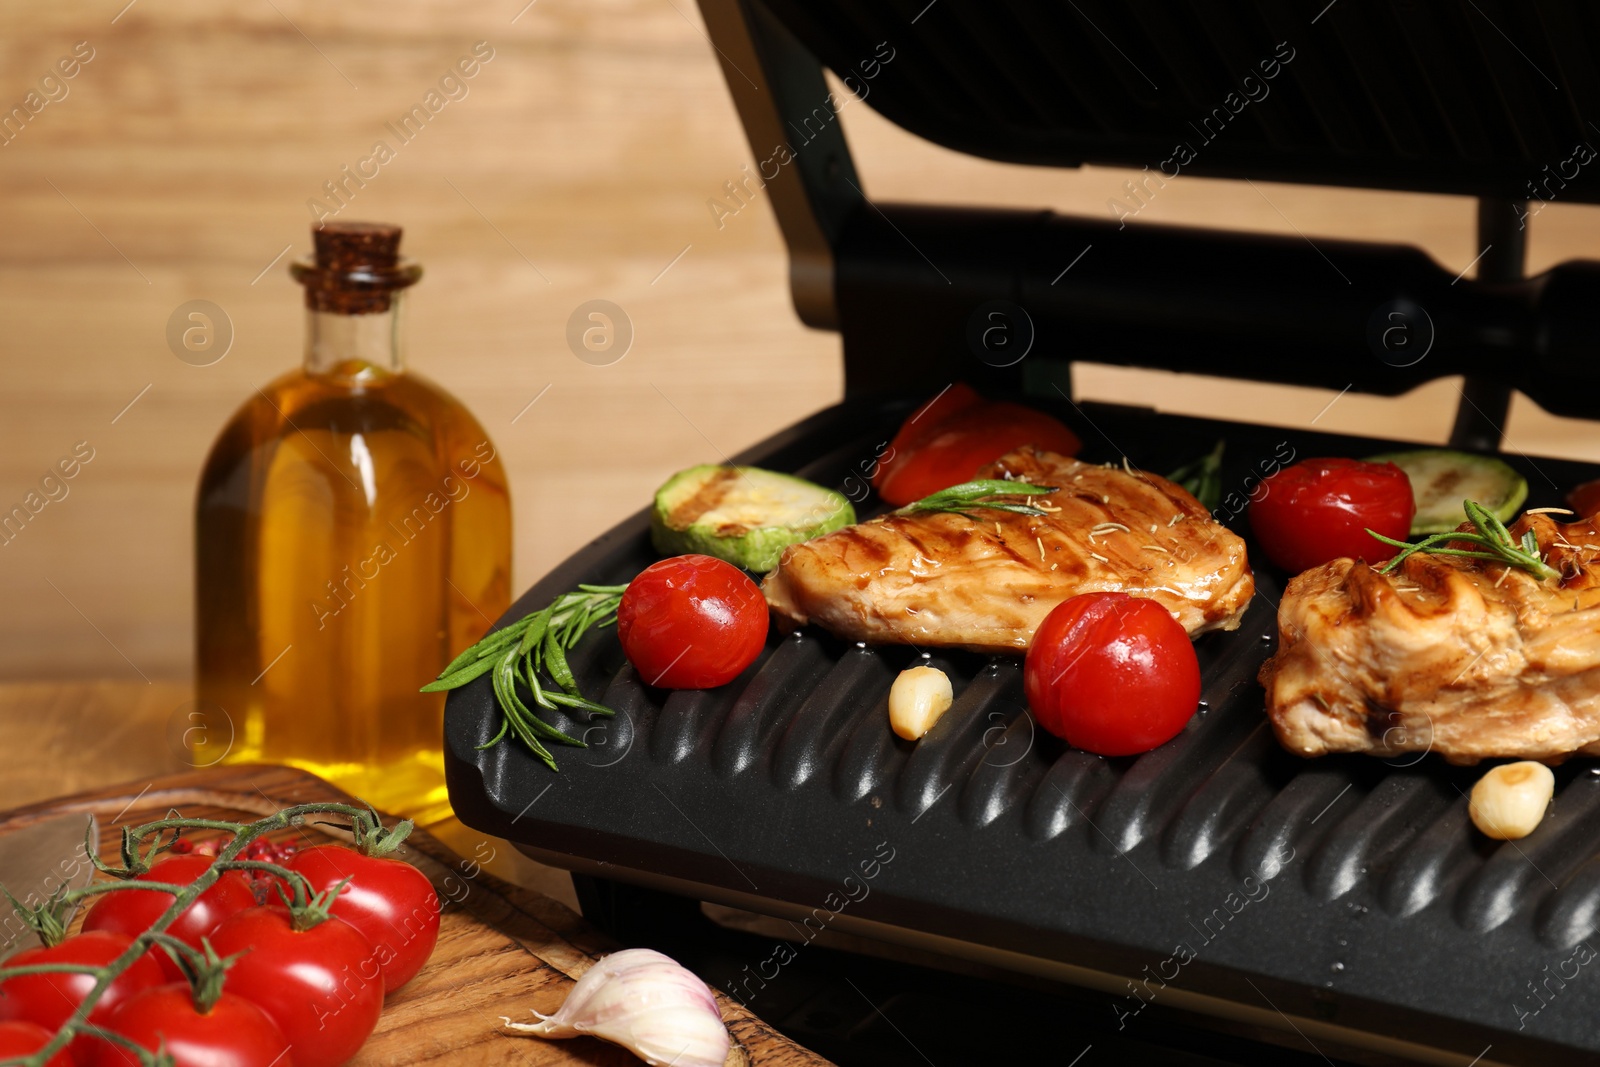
(577, 167)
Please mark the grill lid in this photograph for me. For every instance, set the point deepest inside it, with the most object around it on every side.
(1480, 98)
(1485, 99)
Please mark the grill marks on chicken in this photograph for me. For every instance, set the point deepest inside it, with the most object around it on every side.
(986, 581)
(1464, 657)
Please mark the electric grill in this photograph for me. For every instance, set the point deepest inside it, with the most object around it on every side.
(1343, 907)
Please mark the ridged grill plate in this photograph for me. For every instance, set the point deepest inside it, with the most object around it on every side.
(1347, 889)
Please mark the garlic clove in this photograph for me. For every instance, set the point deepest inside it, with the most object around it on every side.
(1510, 801)
(646, 1002)
(918, 697)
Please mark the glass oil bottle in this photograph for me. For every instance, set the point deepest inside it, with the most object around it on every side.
(353, 532)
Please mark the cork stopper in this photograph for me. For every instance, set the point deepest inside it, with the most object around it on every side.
(347, 246)
(356, 269)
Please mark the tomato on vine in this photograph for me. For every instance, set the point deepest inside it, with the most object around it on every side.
(230, 1032)
(298, 978)
(50, 999)
(131, 912)
(24, 1039)
(388, 900)
(313, 975)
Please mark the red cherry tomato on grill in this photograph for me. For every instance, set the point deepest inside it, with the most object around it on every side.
(946, 441)
(1585, 499)
(232, 1033)
(50, 999)
(131, 912)
(321, 986)
(24, 1039)
(1112, 673)
(391, 902)
(1320, 509)
(691, 622)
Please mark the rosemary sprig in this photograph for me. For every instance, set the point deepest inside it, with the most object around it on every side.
(533, 651)
(963, 499)
(1490, 534)
(1203, 477)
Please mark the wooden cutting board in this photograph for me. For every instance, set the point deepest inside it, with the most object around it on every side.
(502, 950)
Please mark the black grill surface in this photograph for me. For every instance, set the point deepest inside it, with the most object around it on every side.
(1348, 889)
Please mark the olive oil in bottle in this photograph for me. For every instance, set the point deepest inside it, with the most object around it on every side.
(353, 532)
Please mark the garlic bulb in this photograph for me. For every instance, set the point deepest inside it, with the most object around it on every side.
(646, 1002)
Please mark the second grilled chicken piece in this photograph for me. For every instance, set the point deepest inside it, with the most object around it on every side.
(1464, 657)
(986, 581)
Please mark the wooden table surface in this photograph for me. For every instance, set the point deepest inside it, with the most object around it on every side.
(579, 165)
(69, 737)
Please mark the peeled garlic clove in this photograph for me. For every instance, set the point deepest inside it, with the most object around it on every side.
(1510, 801)
(646, 1002)
(918, 697)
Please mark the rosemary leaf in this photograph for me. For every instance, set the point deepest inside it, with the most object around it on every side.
(487, 647)
(505, 724)
(469, 655)
(567, 700)
(555, 658)
(1203, 477)
(530, 675)
(509, 704)
(532, 652)
(456, 679)
(963, 499)
(1488, 532)
(523, 715)
(538, 622)
(576, 626)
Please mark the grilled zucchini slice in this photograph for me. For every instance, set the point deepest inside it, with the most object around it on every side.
(1442, 479)
(744, 515)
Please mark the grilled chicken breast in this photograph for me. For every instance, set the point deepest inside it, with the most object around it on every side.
(986, 581)
(1464, 657)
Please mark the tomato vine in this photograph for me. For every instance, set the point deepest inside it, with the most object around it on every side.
(140, 846)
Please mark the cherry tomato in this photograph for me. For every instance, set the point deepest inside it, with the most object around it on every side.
(184, 846)
(321, 986)
(920, 425)
(132, 911)
(1112, 673)
(388, 900)
(24, 1039)
(50, 999)
(1321, 509)
(264, 883)
(232, 1033)
(1585, 499)
(948, 440)
(691, 622)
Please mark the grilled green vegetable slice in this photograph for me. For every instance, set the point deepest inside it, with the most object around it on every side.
(1442, 479)
(744, 515)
